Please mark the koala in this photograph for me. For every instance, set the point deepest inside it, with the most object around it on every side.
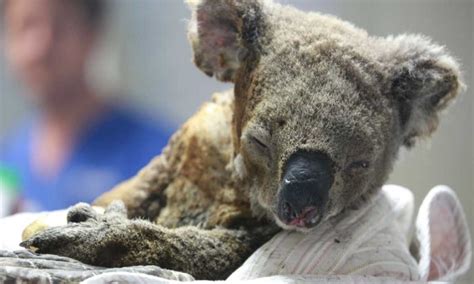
(318, 113)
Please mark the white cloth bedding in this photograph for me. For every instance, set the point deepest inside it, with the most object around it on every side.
(360, 246)
(371, 241)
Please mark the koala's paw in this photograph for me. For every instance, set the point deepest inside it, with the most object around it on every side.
(98, 239)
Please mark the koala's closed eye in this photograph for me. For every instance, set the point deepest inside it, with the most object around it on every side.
(358, 166)
(258, 144)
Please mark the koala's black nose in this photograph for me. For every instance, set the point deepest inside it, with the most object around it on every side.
(307, 178)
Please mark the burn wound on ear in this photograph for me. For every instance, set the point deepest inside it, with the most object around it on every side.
(224, 34)
(213, 32)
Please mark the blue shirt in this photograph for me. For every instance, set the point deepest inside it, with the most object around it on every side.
(113, 148)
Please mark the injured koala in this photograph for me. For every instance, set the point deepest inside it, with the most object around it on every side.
(312, 128)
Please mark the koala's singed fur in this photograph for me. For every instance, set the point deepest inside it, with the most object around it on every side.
(304, 83)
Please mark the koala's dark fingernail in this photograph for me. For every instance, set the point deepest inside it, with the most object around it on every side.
(77, 218)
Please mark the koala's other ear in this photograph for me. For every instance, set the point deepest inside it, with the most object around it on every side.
(423, 79)
(223, 33)
(443, 236)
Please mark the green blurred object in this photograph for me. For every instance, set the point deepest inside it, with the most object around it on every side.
(9, 189)
(8, 179)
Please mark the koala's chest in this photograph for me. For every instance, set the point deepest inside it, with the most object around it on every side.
(203, 192)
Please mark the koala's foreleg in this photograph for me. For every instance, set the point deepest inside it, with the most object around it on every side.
(205, 254)
(112, 240)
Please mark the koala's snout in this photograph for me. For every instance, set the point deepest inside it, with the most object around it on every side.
(304, 189)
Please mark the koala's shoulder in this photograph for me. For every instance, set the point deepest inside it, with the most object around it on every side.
(202, 148)
(210, 127)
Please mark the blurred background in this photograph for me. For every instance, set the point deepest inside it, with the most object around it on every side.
(142, 58)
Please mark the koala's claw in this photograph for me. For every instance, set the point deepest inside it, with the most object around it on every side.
(81, 212)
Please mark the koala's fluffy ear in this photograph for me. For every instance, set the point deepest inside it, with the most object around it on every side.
(223, 33)
(423, 79)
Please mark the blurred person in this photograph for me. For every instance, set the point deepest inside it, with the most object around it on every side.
(75, 145)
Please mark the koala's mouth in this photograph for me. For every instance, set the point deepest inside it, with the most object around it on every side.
(307, 219)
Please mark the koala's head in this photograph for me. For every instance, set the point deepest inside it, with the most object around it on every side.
(321, 108)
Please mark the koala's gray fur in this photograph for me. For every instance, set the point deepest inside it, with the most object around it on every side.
(303, 82)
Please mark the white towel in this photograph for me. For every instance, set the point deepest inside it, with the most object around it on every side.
(371, 241)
